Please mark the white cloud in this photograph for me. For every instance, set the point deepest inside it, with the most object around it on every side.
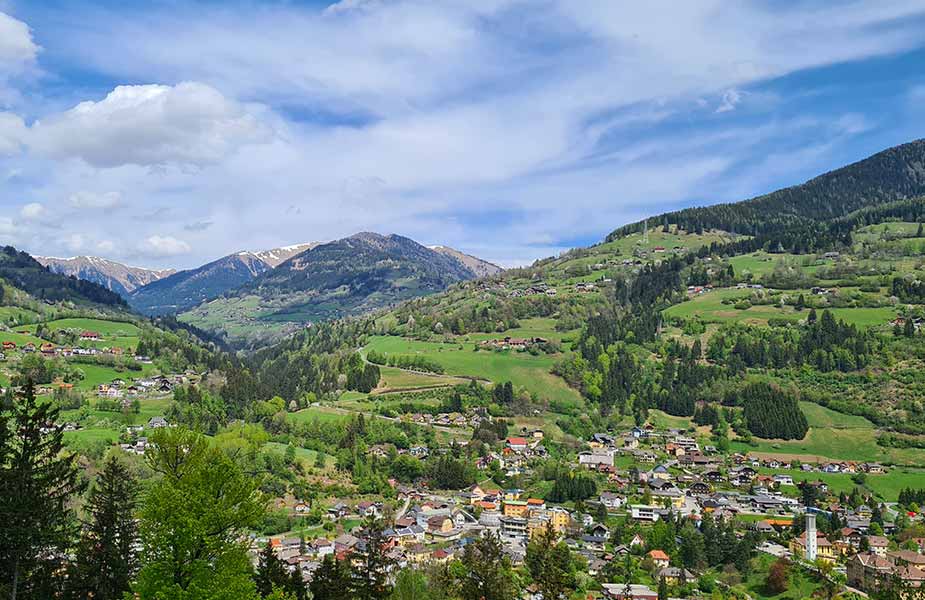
(106, 247)
(12, 134)
(731, 99)
(33, 211)
(103, 200)
(7, 226)
(158, 246)
(16, 46)
(189, 123)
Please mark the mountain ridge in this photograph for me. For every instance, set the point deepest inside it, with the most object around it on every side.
(113, 275)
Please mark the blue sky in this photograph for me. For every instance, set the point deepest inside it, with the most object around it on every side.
(169, 133)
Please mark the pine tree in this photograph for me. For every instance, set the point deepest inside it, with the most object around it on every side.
(106, 556)
(662, 589)
(370, 577)
(331, 581)
(37, 480)
(270, 572)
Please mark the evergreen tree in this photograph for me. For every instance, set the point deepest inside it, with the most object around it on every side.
(270, 572)
(487, 573)
(332, 581)
(370, 575)
(106, 556)
(662, 589)
(37, 481)
(550, 565)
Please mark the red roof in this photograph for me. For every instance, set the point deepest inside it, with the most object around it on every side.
(658, 555)
(516, 441)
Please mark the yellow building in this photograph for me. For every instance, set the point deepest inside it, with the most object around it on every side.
(516, 508)
(825, 550)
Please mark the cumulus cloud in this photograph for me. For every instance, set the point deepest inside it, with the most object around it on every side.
(102, 200)
(12, 134)
(16, 46)
(159, 246)
(33, 211)
(190, 123)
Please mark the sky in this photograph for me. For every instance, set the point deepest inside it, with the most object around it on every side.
(168, 133)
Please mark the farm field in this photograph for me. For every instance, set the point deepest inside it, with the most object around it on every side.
(709, 307)
(94, 375)
(304, 454)
(395, 379)
(522, 369)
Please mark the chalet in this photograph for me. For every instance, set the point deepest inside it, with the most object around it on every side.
(517, 444)
(157, 422)
(9, 346)
(90, 336)
(658, 558)
(675, 575)
(610, 500)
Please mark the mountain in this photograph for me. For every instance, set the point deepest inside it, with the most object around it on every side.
(277, 256)
(350, 276)
(186, 289)
(477, 266)
(24, 272)
(111, 275)
(893, 174)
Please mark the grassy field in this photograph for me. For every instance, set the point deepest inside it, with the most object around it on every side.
(322, 414)
(834, 436)
(709, 307)
(802, 584)
(105, 328)
(304, 454)
(522, 369)
(394, 379)
(94, 375)
(536, 327)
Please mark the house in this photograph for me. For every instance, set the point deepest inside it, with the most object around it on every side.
(7, 346)
(658, 558)
(595, 458)
(878, 544)
(157, 422)
(642, 512)
(866, 570)
(675, 575)
(517, 444)
(610, 500)
(90, 336)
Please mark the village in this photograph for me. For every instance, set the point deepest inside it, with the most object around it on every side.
(647, 476)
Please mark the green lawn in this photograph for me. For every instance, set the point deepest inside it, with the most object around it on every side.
(94, 375)
(394, 379)
(521, 368)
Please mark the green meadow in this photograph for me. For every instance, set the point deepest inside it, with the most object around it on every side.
(521, 368)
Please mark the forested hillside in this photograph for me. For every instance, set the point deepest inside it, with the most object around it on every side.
(893, 174)
(24, 272)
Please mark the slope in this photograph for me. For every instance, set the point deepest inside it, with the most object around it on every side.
(112, 275)
(346, 277)
(27, 274)
(186, 289)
